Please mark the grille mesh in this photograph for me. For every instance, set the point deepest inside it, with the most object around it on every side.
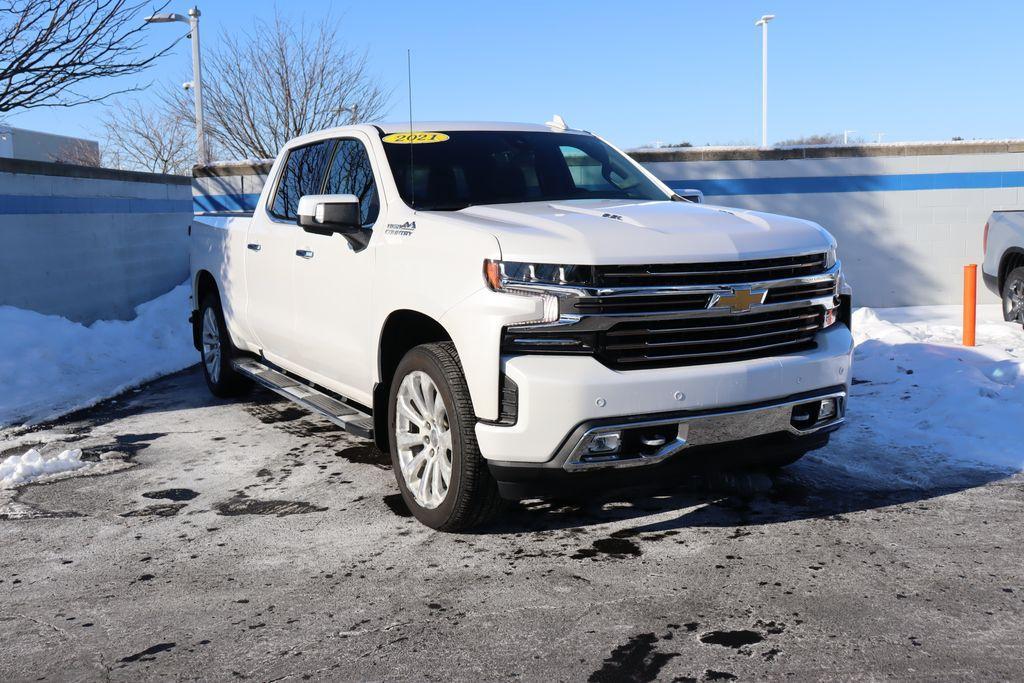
(712, 339)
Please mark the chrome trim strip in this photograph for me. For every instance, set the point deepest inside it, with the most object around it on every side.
(708, 429)
(586, 291)
(603, 321)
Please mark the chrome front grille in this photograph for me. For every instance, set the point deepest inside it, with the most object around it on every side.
(716, 339)
(676, 315)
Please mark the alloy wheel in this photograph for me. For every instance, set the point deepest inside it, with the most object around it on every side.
(1013, 301)
(424, 439)
(211, 345)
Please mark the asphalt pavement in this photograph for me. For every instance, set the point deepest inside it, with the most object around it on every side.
(249, 540)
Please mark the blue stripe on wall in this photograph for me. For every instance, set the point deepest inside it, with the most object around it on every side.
(24, 204)
(224, 202)
(855, 183)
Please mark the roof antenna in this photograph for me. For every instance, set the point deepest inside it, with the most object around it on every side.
(557, 122)
(412, 180)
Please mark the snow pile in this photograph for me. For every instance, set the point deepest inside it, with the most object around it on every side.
(50, 366)
(925, 411)
(21, 469)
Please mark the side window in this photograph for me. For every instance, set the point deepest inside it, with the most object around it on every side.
(351, 173)
(303, 174)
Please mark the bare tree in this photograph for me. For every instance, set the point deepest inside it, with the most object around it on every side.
(138, 138)
(49, 47)
(279, 81)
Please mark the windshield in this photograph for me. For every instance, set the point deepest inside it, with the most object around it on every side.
(468, 168)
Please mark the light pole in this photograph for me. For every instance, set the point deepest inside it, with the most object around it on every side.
(196, 84)
(763, 23)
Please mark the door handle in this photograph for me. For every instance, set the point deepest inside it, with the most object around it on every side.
(304, 253)
(254, 247)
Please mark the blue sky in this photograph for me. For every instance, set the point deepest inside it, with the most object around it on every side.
(640, 72)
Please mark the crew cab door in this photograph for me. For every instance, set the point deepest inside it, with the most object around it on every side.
(270, 257)
(333, 283)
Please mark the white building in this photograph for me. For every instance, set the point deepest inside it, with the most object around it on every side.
(18, 143)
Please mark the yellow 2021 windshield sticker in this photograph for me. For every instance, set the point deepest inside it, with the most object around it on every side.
(414, 138)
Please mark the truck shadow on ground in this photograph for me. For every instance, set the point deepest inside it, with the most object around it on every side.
(737, 498)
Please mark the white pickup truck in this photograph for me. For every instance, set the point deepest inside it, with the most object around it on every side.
(513, 310)
(1003, 270)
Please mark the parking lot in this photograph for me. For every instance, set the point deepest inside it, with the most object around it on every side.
(251, 540)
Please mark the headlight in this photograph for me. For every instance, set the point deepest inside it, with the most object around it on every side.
(501, 275)
(535, 280)
(830, 258)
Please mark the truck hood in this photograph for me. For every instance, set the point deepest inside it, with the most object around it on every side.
(602, 232)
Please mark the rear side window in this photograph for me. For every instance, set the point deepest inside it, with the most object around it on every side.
(303, 174)
(351, 173)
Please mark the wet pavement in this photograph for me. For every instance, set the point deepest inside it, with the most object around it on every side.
(251, 540)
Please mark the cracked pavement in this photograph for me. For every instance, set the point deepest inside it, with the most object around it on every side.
(251, 540)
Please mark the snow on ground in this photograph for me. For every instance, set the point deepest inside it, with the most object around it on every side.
(925, 411)
(50, 366)
(16, 470)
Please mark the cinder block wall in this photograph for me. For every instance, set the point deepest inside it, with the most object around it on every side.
(89, 243)
(907, 217)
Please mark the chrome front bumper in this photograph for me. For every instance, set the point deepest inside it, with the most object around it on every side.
(703, 429)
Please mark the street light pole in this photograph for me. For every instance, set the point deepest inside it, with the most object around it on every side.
(196, 84)
(763, 23)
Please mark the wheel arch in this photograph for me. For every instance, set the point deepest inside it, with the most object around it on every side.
(204, 284)
(402, 330)
(1012, 259)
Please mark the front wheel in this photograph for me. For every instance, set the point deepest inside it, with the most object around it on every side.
(434, 454)
(1013, 296)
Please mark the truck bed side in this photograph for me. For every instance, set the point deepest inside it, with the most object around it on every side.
(217, 251)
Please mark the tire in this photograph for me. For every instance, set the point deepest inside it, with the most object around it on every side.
(439, 441)
(214, 341)
(1013, 296)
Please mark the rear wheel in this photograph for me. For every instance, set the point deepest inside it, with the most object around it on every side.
(434, 454)
(217, 351)
(1013, 296)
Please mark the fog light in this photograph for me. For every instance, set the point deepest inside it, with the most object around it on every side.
(828, 409)
(607, 442)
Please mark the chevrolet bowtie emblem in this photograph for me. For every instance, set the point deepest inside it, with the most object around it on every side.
(739, 301)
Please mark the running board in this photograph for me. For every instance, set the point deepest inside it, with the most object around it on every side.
(355, 422)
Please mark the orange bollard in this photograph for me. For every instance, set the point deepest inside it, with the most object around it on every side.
(970, 302)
